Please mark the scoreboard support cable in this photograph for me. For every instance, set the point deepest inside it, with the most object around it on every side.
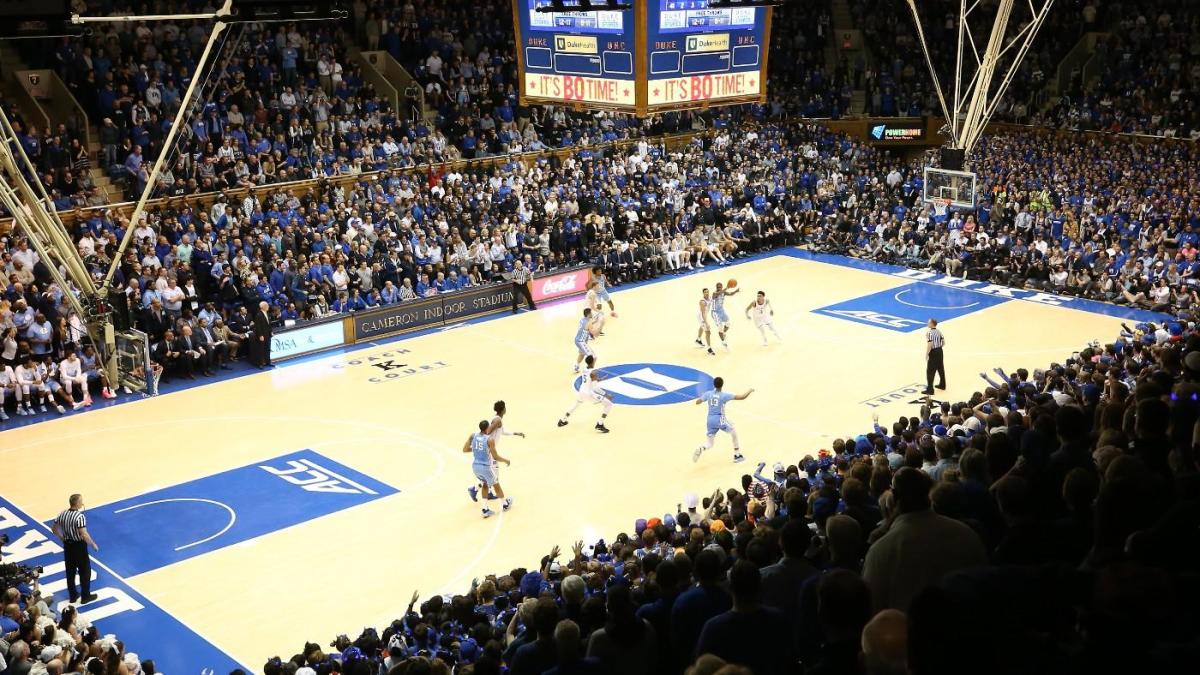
(660, 55)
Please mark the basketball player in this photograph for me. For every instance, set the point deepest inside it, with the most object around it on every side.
(584, 335)
(720, 318)
(601, 283)
(763, 316)
(71, 372)
(705, 331)
(29, 381)
(496, 428)
(485, 461)
(716, 400)
(590, 390)
(48, 371)
(8, 383)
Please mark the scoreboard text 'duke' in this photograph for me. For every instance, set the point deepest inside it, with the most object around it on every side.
(661, 55)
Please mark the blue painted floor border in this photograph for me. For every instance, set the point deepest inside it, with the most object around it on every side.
(974, 286)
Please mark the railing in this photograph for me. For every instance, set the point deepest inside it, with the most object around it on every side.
(1076, 58)
(1091, 69)
(56, 101)
(24, 101)
(398, 80)
(375, 73)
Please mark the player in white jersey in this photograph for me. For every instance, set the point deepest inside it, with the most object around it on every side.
(58, 396)
(592, 301)
(29, 379)
(584, 334)
(591, 391)
(485, 462)
(496, 427)
(8, 384)
(760, 310)
(720, 318)
(73, 376)
(705, 331)
(600, 282)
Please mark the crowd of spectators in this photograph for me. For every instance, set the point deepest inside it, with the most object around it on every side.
(1147, 68)
(1046, 524)
(286, 102)
(41, 637)
(1104, 218)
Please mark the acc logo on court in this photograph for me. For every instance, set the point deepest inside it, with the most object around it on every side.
(876, 318)
(652, 383)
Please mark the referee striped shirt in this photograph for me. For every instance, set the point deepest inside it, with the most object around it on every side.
(71, 524)
(935, 338)
(521, 276)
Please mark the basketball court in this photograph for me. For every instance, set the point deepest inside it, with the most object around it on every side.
(240, 518)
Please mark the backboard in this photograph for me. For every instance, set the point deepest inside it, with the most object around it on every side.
(956, 186)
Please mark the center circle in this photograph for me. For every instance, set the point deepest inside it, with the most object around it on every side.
(651, 383)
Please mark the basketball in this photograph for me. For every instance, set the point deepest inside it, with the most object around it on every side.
(732, 283)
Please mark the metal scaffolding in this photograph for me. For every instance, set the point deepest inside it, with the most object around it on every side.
(977, 94)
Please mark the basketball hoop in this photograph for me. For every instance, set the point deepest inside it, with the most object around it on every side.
(941, 203)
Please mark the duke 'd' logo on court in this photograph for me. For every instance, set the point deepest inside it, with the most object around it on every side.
(652, 383)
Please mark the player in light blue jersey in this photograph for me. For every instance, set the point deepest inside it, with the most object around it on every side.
(485, 461)
(715, 400)
(720, 318)
(601, 285)
(584, 335)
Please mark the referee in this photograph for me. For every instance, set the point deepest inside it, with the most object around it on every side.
(934, 360)
(520, 285)
(71, 527)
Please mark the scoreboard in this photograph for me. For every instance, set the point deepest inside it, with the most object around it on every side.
(584, 58)
(701, 55)
(661, 55)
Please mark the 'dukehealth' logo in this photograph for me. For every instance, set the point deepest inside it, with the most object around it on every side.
(652, 383)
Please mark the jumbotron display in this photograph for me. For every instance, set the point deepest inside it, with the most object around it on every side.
(700, 55)
(659, 55)
(584, 58)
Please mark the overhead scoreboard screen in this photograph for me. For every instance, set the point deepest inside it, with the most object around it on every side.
(659, 55)
(579, 57)
(703, 55)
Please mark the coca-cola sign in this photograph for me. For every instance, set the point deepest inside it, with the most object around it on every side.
(560, 285)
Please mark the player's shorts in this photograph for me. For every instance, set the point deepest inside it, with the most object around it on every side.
(761, 321)
(602, 294)
(716, 424)
(701, 318)
(586, 395)
(584, 348)
(52, 385)
(720, 317)
(487, 473)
